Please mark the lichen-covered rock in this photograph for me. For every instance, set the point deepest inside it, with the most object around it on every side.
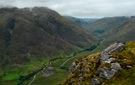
(104, 57)
(107, 58)
(119, 47)
(116, 66)
(95, 81)
(114, 47)
(107, 73)
(110, 60)
(109, 49)
(105, 54)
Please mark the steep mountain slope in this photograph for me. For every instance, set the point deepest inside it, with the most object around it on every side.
(113, 29)
(38, 32)
(120, 29)
(120, 26)
(102, 25)
(113, 66)
(123, 32)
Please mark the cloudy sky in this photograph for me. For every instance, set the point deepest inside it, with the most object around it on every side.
(80, 8)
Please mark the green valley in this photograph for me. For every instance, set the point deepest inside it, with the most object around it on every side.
(38, 46)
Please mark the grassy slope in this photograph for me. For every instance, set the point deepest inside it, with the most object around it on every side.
(11, 75)
(55, 79)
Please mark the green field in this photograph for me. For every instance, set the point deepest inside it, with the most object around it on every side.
(60, 76)
(10, 76)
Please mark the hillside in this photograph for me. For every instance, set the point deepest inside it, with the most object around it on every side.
(101, 26)
(122, 32)
(32, 37)
(39, 32)
(112, 29)
(113, 66)
(122, 27)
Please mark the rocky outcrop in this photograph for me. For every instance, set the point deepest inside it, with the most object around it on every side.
(109, 72)
(105, 54)
(108, 68)
(95, 81)
(97, 67)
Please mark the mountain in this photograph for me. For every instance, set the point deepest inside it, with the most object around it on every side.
(30, 38)
(112, 29)
(113, 66)
(108, 26)
(104, 24)
(39, 32)
(122, 32)
(80, 21)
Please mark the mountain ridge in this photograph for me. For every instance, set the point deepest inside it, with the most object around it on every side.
(39, 32)
(112, 29)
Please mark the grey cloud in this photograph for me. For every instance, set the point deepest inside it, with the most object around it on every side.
(80, 8)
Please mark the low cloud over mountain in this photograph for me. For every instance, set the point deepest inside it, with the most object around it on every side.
(79, 8)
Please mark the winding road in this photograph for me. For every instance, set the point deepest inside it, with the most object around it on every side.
(34, 77)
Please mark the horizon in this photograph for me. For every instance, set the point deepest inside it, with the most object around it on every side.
(69, 15)
(78, 8)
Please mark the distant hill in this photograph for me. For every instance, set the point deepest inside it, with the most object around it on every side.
(101, 26)
(113, 29)
(39, 32)
(123, 31)
(80, 21)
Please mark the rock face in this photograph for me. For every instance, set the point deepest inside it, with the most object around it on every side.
(95, 82)
(105, 54)
(108, 69)
(97, 67)
(108, 73)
